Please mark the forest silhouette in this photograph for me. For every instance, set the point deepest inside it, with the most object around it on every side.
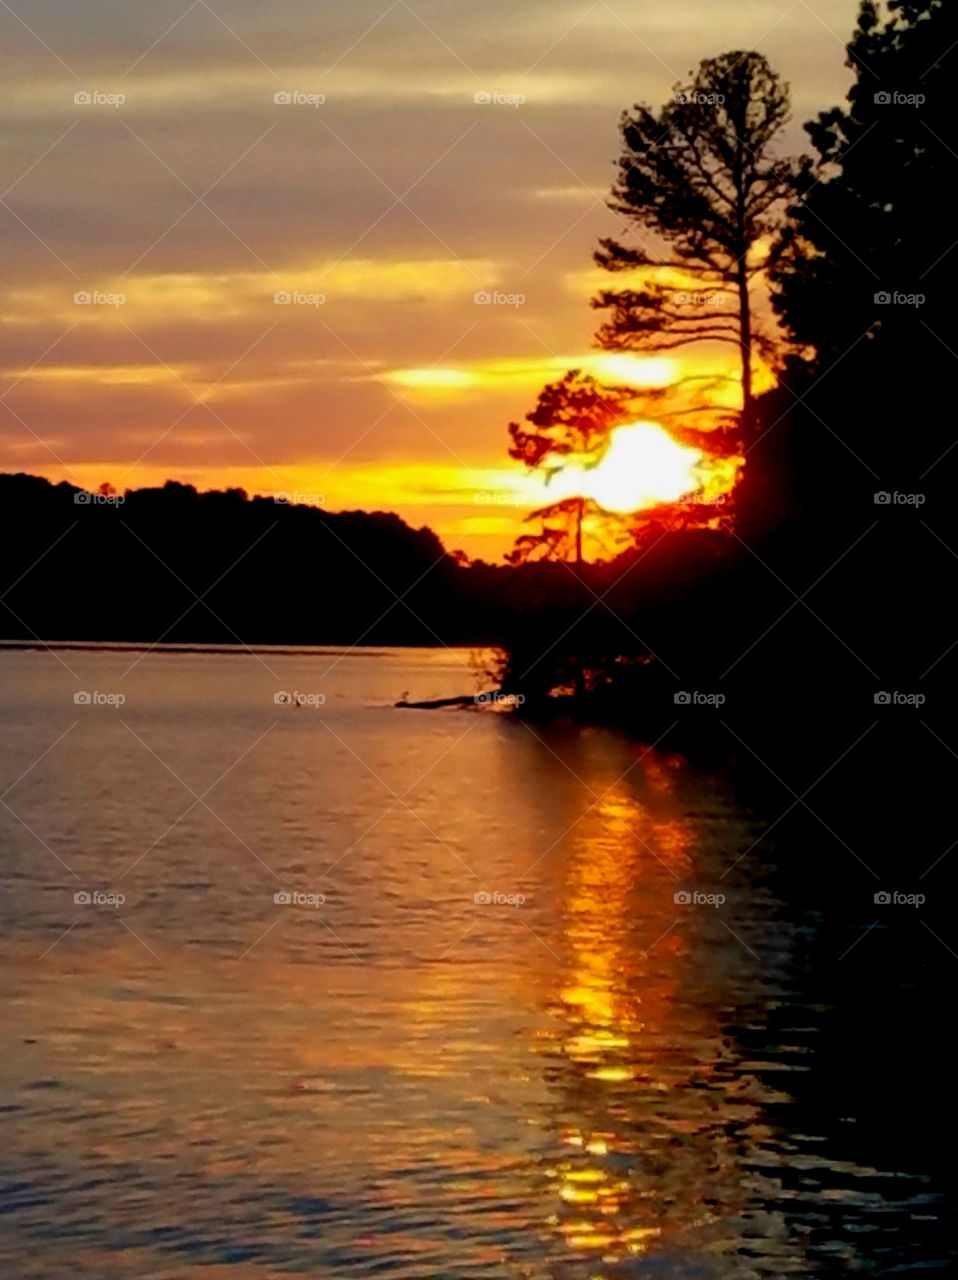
(826, 577)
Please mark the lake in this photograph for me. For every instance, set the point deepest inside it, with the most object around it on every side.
(321, 987)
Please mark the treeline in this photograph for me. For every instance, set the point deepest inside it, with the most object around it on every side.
(694, 610)
(829, 580)
(832, 578)
(186, 567)
(181, 566)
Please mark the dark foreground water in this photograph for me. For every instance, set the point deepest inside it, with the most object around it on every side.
(490, 1038)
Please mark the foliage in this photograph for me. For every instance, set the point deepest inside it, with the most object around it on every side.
(700, 180)
(572, 418)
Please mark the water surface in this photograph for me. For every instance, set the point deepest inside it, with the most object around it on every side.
(487, 1041)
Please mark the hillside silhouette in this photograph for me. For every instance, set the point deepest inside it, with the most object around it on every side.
(176, 565)
(826, 582)
(181, 566)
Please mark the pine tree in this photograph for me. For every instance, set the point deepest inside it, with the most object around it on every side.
(700, 178)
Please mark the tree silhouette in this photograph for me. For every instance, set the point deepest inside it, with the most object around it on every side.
(866, 273)
(700, 176)
(573, 416)
(864, 224)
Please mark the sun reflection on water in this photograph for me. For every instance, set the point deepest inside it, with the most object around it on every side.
(630, 1060)
(628, 852)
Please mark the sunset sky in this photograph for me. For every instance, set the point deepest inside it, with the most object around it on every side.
(397, 199)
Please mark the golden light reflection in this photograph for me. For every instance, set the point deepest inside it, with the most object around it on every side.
(609, 1005)
(642, 1106)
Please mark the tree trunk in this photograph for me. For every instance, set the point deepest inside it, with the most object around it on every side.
(745, 347)
(744, 302)
(580, 512)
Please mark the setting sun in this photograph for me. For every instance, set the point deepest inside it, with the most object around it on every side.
(643, 466)
(477, 546)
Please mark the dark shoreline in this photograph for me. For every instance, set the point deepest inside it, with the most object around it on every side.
(144, 646)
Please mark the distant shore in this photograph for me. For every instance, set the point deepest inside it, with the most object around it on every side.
(143, 646)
